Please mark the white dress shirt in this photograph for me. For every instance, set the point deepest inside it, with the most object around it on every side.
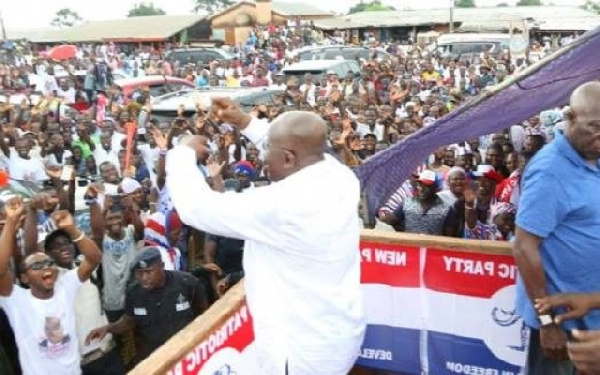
(301, 257)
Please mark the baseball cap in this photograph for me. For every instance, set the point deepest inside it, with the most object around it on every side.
(488, 172)
(428, 177)
(146, 258)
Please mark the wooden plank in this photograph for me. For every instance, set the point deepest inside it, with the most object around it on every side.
(165, 357)
(433, 242)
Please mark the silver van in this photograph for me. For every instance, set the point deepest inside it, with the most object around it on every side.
(469, 46)
(319, 68)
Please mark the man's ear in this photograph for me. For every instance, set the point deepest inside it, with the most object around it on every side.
(570, 115)
(290, 160)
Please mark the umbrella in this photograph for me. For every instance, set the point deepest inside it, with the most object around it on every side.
(63, 52)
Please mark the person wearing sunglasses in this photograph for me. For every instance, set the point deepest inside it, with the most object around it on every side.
(43, 317)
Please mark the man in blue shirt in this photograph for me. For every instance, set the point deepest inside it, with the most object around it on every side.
(558, 230)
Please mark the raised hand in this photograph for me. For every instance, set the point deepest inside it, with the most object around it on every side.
(53, 172)
(159, 138)
(14, 209)
(215, 169)
(226, 110)
(469, 196)
(63, 219)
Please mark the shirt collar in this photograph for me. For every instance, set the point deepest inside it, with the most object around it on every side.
(564, 147)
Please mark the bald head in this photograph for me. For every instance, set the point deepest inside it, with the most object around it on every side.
(585, 98)
(303, 132)
(583, 130)
(296, 140)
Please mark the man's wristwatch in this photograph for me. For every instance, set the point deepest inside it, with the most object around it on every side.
(546, 320)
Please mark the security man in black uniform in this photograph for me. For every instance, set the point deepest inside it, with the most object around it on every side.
(158, 305)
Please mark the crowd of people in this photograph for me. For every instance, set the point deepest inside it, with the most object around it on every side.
(102, 234)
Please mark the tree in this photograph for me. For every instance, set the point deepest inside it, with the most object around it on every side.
(529, 3)
(465, 4)
(592, 6)
(211, 6)
(143, 9)
(373, 6)
(65, 18)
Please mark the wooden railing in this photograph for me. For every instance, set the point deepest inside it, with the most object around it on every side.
(164, 358)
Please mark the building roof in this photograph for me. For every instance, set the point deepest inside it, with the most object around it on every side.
(146, 28)
(297, 9)
(284, 9)
(494, 17)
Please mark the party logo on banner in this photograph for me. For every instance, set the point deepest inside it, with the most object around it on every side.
(472, 320)
(227, 351)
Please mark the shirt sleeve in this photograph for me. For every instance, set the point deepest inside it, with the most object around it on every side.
(539, 218)
(257, 132)
(251, 215)
(70, 282)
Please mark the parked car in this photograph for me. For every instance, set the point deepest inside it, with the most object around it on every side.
(196, 55)
(165, 108)
(339, 52)
(158, 85)
(79, 75)
(470, 46)
(319, 68)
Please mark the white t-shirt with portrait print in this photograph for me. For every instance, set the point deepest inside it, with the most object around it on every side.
(45, 329)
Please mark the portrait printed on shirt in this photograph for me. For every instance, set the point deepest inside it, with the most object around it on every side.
(54, 343)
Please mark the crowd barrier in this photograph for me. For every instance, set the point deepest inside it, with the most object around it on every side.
(435, 305)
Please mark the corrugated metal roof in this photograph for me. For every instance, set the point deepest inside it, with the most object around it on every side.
(34, 35)
(282, 8)
(134, 28)
(297, 9)
(495, 15)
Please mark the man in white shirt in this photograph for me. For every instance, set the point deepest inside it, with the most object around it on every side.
(24, 167)
(302, 234)
(278, 83)
(308, 88)
(43, 317)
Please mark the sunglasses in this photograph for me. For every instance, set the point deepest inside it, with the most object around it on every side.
(41, 264)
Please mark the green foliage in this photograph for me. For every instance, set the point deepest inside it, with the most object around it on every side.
(65, 18)
(592, 6)
(373, 6)
(529, 2)
(465, 4)
(145, 9)
(211, 6)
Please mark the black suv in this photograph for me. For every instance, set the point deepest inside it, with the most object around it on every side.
(201, 55)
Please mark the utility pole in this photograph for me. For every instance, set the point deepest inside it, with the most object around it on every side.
(2, 27)
(451, 16)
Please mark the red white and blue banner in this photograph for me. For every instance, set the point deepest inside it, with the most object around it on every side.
(430, 311)
(436, 311)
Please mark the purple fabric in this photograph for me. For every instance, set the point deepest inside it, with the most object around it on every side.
(549, 87)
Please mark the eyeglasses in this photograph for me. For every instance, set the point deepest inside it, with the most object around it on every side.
(40, 264)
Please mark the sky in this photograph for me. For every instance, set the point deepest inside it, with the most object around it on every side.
(28, 14)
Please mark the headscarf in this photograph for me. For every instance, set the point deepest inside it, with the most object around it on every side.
(155, 234)
(500, 208)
